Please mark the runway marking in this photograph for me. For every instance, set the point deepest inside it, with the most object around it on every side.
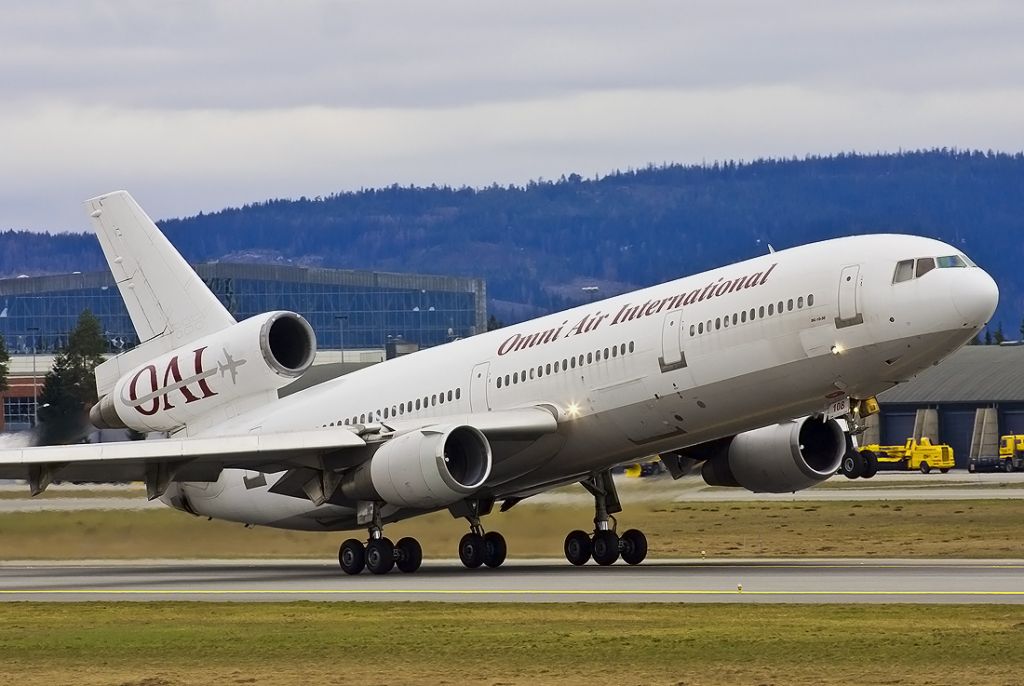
(469, 592)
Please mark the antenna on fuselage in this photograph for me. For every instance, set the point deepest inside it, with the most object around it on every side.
(771, 250)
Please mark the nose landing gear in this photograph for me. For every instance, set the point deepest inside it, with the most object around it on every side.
(605, 546)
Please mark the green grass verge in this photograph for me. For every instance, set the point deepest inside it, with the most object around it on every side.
(945, 528)
(164, 644)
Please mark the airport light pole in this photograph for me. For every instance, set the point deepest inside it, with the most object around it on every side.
(35, 384)
(341, 319)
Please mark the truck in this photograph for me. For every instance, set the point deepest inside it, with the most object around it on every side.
(1009, 459)
(920, 454)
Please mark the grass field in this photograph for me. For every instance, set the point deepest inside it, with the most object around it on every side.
(167, 644)
(946, 528)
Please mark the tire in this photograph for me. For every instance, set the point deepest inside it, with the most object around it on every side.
(944, 470)
(605, 547)
(495, 549)
(577, 547)
(852, 465)
(410, 555)
(870, 463)
(380, 556)
(1008, 467)
(471, 550)
(925, 468)
(352, 557)
(634, 546)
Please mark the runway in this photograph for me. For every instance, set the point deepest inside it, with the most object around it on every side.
(678, 581)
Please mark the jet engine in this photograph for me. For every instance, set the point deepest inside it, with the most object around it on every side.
(254, 356)
(425, 468)
(782, 458)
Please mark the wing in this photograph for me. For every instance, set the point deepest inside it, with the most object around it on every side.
(159, 462)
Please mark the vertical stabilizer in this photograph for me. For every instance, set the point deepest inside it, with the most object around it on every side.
(168, 303)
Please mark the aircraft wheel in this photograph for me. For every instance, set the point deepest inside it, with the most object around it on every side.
(471, 550)
(577, 547)
(605, 547)
(380, 556)
(409, 554)
(634, 546)
(870, 466)
(852, 465)
(495, 549)
(352, 556)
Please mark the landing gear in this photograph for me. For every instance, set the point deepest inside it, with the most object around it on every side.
(379, 555)
(604, 546)
(479, 548)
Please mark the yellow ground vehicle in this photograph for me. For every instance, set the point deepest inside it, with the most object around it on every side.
(1010, 457)
(921, 455)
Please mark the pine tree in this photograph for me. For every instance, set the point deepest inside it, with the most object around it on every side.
(69, 389)
(998, 337)
(988, 337)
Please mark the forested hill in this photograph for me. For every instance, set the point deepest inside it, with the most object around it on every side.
(538, 245)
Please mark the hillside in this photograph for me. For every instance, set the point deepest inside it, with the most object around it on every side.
(538, 245)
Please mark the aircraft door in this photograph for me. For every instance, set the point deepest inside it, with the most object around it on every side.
(478, 388)
(849, 297)
(672, 355)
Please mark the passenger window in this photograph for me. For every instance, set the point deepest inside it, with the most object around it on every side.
(440, 398)
(800, 302)
(450, 395)
(692, 330)
(531, 373)
(385, 413)
(606, 353)
(433, 400)
(760, 312)
(743, 316)
(547, 368)
(810, 301)
(581, 359)
(734, 318)
(418, 400)
(572, 361)
(726, 322)
(590, 358)
(771, 309)
(499, 382)
(362, 419)
(515, 377)
(925, 265)
(631, 346)
(718, 323)
(615, 351)
(394, 411)
(752, 313)
(700, 328)
(557, 363)
(789, 305)
(622, 349)
(458, 393)
(904, 271)
(780, 307)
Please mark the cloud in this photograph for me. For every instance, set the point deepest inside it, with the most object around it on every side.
(196, 105)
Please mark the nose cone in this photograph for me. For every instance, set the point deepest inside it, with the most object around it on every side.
(975, 296)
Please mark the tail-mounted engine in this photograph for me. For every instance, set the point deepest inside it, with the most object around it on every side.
(781, 458)
(254, 356)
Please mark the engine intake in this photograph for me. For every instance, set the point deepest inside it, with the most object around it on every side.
(425, 468)
(782, 458)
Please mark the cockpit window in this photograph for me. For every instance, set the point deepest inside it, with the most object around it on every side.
(904, 271)
(950, 261)
(925, 265)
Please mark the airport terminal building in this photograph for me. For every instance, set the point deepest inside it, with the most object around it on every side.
(359, 313)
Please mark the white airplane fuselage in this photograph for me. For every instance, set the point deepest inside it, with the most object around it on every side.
(658, 369)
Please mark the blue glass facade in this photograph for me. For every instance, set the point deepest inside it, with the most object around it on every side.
(347, 309)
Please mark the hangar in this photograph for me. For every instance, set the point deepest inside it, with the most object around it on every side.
(966, 401)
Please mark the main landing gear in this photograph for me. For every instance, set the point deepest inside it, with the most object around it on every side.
(479, 548)
(379, 555)
(605, 546)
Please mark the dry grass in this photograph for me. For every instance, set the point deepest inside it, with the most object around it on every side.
(970, 529)
(171, 644)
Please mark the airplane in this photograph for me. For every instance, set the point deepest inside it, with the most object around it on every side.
(755, 374)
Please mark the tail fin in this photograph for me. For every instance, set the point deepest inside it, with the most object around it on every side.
(168, 303)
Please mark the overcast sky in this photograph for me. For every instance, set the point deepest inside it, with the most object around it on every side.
(194, 106)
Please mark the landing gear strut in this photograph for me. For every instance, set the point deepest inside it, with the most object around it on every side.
(379, 555)
(479, 547)
(605, 546)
